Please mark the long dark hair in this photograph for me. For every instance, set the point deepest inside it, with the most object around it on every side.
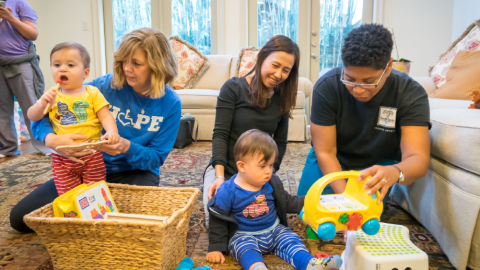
(288, 88)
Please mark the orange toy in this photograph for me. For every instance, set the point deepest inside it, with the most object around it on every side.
(476, 100)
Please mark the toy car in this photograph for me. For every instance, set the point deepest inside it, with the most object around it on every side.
(352, 209)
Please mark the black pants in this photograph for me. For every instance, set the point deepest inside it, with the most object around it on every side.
(47, 192)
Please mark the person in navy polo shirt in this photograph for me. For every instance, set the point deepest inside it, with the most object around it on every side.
(367, 116)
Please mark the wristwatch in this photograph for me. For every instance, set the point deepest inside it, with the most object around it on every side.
(401, 178)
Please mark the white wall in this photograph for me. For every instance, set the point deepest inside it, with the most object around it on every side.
(422, 29)
(465, 12)
(60, 21)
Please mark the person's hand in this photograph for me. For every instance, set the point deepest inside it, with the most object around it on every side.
(383, 177)
(49, 97)
(53, 140)
(112, 137)
(6, 14)
(215, 257)
(120, 147)
(212, 190)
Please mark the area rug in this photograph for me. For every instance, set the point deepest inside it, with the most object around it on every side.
(183, 168)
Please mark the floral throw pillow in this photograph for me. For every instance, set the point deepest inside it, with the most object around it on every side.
(469, 41)
(191, 63)
(246, 61)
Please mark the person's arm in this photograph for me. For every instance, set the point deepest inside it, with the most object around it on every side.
(324, 140)
(224, 112)
(154, 154)
(415, 146)
(42, 130)
(108, 123)
(280, 138)
(27, 29)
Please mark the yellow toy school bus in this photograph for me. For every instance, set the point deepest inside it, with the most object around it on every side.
(352, 209)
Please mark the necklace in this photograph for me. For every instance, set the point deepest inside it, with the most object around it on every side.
(143, 112)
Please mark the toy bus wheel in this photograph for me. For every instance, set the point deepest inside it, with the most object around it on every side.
(326, 231)
(371, 227)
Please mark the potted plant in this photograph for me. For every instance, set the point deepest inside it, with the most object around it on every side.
(400, 64)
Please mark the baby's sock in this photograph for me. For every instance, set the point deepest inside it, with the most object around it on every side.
(331, 263)
(259, 267)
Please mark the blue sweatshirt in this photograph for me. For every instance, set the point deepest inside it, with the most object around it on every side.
(151, 134)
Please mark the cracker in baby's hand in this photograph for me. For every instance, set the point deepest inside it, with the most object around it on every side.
(83, 146)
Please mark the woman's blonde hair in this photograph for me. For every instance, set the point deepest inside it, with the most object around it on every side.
(160, 58)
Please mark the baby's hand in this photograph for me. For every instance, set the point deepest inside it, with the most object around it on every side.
(112, 137)
(215, 257)
(49, 97)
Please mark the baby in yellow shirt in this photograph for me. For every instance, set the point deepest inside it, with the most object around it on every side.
(75, 109)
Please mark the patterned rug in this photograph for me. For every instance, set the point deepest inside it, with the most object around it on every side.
(184, 168)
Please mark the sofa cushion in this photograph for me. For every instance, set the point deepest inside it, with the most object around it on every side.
(440, 103)
(198, 98)
(217, 74)
(468, 41)
(462, 77)
(207, 99)
(454, 135)
(233, 67)
(191, 63)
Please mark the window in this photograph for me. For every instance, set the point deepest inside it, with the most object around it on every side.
(191, 20)
(337, 19)
(129, 15)
(276, 17)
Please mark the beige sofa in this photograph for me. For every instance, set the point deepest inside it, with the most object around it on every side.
(202, 99)
(447, 200)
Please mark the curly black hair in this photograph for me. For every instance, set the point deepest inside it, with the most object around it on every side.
(369, 45)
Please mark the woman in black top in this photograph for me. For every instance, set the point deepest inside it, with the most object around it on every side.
(263, 99)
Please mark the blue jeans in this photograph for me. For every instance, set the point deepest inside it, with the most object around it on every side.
(311, 173)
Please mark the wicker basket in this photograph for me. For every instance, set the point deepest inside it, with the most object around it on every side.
(110, 244)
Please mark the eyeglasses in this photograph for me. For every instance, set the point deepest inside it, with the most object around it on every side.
(362, 85)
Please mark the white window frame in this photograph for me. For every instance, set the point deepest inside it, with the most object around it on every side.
(161, 19)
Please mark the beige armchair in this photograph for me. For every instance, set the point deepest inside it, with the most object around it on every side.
(202, 99)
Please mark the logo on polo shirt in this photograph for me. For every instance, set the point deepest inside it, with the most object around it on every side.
(387, 116)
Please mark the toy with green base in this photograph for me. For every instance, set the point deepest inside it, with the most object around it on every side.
(88, 202)
(390, 249)
(354, 208)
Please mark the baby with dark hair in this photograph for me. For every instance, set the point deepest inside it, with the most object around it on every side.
(248, 215)
(75, 108)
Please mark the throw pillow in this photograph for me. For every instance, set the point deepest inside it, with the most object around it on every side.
(191, 63)
(462, 77)
(468, 41)
(246, 61)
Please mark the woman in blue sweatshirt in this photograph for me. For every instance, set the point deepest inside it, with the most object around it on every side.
(147, 114)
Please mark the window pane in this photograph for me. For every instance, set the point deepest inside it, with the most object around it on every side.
(277, 17)
(337, 19)
(129, 15)
(191, 22)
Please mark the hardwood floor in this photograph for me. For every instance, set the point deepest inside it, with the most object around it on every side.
(25, 149)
